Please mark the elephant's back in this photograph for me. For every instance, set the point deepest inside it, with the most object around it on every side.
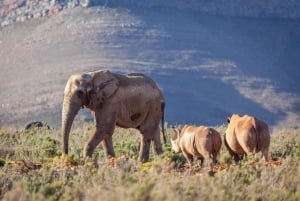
(136, 80)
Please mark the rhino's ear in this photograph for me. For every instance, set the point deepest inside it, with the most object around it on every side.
(178, 130)
(228, 119)
(173, 142)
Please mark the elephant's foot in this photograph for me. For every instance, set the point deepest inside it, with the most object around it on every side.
(90, 162)
(144, 159)
(158, 150)
(144, 156)
(108, 147)
(88, 151)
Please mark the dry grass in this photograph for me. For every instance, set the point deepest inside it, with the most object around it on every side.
(32, 168)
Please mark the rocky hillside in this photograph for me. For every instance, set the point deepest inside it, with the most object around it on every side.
(21, 10)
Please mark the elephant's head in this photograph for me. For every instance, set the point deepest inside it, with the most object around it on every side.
(90, 90)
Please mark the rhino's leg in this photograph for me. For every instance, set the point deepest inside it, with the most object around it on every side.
(236, 158)
(189, 158)
(264, 153)
(200, 161)
(231, 152)
(214, 158)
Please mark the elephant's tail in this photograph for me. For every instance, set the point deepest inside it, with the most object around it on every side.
(163, 121)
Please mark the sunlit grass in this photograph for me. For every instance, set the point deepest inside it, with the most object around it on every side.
(32, 167)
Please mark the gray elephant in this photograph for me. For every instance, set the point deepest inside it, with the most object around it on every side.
(128, 101)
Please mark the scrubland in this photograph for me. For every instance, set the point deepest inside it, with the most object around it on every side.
(238, 69)
(32, 168)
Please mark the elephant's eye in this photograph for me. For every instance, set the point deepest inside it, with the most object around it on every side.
(80, 93)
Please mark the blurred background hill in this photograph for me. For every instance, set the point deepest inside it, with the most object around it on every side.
(211, 58)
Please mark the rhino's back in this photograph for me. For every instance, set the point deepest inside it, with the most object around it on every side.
(200, 131)
(245, 123)
(197, 140)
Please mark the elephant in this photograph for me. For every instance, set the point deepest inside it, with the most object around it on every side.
(128, 101)
(197, 142)
(246, 135)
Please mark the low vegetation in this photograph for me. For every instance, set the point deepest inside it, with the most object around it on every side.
(33, 168)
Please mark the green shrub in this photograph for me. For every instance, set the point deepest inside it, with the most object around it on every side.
(124, 178)
(49, 146)
(2, 162)
(285, 143)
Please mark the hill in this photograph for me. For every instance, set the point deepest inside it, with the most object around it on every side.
(208, 66)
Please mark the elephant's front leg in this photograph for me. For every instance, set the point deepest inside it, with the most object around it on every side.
(93, 143)
(94, 140)
(144, 149)
(105, 125)
(107, 145)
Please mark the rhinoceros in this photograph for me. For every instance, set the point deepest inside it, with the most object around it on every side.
(246, 135)
(197, 143)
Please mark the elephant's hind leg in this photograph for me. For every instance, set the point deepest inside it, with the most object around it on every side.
(144, 149)
(107, 145)
(157, 147)
(150, 132)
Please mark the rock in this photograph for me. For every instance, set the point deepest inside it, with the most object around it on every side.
(21, 3)
(54, 9)
(36, 124)
(45, 12)
(37, 15)
(84, 3)
(53, 2)
(5, 23)
(30, 16)
(21, 19)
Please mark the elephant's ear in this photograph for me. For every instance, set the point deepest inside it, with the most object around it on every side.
(105, 85)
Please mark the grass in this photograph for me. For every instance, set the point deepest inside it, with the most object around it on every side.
(32, 168)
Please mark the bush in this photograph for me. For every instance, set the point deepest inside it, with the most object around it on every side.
(124, 178)
(2, 162)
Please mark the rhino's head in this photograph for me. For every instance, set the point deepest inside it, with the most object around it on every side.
(175, 146)
(175, 143)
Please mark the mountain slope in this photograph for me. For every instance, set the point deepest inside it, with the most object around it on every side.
(207, 66)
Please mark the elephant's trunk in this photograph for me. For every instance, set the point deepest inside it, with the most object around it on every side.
(69, 112)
